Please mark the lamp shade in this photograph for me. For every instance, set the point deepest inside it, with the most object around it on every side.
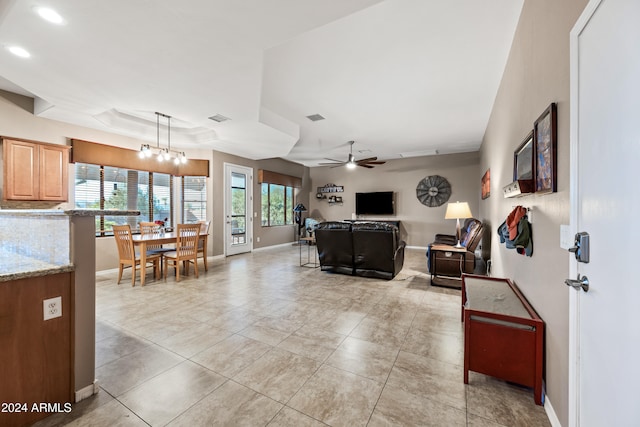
(299, 208)
(458, 210)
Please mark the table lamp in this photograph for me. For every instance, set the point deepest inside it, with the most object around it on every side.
(456, 211)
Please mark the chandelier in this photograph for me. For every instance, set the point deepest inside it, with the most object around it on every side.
(162, 154)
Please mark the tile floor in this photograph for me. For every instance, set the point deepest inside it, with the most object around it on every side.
(260, 341)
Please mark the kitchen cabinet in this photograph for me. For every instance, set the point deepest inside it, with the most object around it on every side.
(35, 171)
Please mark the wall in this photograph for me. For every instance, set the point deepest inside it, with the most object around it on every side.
(419, 223)
(537, 73)
(269, 236)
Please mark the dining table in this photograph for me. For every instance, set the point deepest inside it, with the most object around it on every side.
(162, 238)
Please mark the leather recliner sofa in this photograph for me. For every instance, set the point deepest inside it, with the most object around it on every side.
(368, 249)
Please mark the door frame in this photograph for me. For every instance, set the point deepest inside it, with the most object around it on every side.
(574, 137)
(249, 201)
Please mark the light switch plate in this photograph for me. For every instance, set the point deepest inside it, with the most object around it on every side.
(52, 308)
(566, 239)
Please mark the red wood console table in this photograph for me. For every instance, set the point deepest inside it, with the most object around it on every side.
(503, 335)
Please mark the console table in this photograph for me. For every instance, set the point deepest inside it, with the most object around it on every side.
(386, 221)
(503, 335)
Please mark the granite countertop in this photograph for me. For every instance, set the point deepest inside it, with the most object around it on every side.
(15, 266)
(68, 212)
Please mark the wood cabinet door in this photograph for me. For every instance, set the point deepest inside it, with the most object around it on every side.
(21, 164)
(54, 166)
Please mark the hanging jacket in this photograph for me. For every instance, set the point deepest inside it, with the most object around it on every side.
(523, 241)
(514, 219)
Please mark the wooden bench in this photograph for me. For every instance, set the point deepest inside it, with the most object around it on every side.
(503, 335)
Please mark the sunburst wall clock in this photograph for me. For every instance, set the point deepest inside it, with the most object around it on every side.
(433, 191)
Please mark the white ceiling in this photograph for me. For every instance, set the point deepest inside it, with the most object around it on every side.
(400, 77)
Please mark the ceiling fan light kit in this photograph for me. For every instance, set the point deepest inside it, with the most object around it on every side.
(352, 162)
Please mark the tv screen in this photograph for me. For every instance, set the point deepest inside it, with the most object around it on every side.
(377, 203)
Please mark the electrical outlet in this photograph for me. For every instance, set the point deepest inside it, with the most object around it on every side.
(258, 239)
(52, 308)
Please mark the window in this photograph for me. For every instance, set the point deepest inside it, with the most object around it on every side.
(194, 199)
(277, 205)
(105, 187)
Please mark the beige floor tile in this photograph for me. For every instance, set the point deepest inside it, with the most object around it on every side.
(231, 355)
(131, 370)
(117, 346)
(230, 405)
(192, 341)
(398, 407)
(440, 346)
(278, 374)
(78, 410)
(357, 324)
(440, 381)
(313, 343)
(112, 414)
(288, 417)
(167, 395)
(337, 397)
(381, 332)
(503, 403)
(370, 360)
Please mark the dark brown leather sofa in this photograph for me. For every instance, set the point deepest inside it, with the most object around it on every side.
(368, 249)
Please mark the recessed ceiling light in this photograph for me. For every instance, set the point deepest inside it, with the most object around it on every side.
(50, 15)
(18, 51)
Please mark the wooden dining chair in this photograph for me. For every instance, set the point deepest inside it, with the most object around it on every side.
(202, 243)
(127, 254)
(150, 228)
(186, 250)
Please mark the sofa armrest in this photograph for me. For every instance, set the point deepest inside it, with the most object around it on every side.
(445, 239)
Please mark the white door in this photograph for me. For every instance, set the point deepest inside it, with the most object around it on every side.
(605, 202)
(238, 184)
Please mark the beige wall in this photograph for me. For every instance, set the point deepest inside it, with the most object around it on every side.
(269, 236)
(537, 74)
(419, 223)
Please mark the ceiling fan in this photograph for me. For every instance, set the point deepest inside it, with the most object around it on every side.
(352, 162)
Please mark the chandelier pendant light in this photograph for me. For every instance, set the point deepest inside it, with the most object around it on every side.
(163, 154)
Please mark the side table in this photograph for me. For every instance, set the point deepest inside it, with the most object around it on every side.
(447, 265)
(311, 243)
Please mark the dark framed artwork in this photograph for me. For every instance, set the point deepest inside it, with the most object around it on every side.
(486, 184)
(523, 160)
(545, 135)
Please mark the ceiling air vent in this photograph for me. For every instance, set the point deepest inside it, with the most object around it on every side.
(315, 117)
(219, 118)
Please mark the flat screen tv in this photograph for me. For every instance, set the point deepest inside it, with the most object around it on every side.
(377, 203)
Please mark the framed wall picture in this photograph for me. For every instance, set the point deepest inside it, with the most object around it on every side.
(545, 135)
(486, 184)
(523, 164)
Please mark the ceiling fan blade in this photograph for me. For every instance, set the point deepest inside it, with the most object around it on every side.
(368, 159)
(334, 160)
(364, 165)
(376, 163)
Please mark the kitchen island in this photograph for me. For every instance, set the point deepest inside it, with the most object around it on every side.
(46, 255)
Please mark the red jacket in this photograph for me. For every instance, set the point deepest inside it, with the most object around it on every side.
(513, 219)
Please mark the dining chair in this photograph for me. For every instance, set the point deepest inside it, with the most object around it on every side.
(186, 250)
(151, 228)
(202, 243)
(127, 254)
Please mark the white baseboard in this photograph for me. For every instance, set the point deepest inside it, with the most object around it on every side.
(87, 391)
(551, 414)
(282, 245)
(423, 248)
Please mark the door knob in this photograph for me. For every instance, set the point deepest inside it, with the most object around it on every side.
(582, 282)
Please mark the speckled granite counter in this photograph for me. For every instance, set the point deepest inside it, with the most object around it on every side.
(36, 242)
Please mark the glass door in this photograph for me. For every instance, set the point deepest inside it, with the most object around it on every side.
(238, 220)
